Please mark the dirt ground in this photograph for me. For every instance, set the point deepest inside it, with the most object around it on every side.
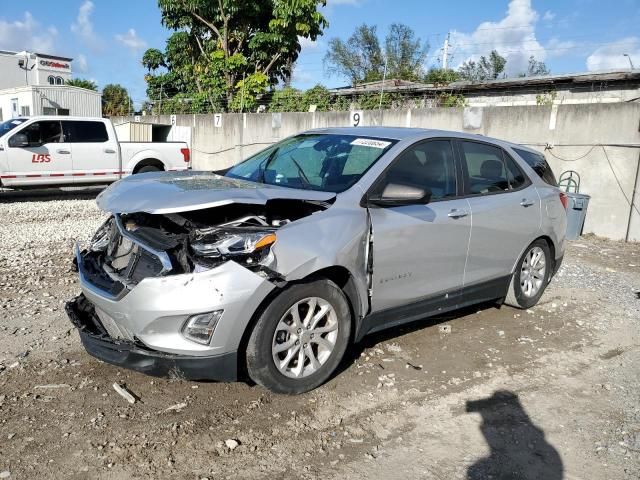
(548, 393)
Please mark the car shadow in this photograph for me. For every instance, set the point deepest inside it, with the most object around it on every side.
(519, 449)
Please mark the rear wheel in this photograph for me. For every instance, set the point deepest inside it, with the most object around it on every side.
(531, 276)
(149, 168)
(300, 338)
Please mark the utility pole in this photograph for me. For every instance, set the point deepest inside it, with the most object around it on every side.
(384, 79)
(629, 58)
(445, 53)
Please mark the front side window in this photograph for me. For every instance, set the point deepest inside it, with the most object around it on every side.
(51, 80)
(331, 163)
(41, 133)
(85, 131)
(429, 165)
(59, 81)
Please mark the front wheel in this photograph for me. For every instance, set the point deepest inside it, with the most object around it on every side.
(531, 276)
(300, 338)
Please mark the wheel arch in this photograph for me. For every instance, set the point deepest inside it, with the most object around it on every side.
(339, 275)
(547, 239)
(148, 162)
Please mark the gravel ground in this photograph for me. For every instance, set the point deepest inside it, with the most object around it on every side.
(551, 392)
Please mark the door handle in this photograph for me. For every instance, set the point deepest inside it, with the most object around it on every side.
(63, 152)
(526, 203)
(455, 213)
(109, 150)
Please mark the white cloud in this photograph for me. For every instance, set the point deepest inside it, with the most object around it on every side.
(513, 37)
(131, 40)
(301, 75)
(307, 44)
(559, 48)
(83, 26)
(548, 16)
(611, 56)
(80, 64)
(27, 34)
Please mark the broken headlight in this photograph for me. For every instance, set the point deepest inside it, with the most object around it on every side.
(101, 238)
(246, 246)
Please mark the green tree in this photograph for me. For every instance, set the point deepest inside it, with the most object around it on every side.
(153, 59)
(82, 83)
(115, 100)
(225, 48)
(318, 96)
(405, 53)
(485, 69)
(286, 99)
(536, 68)
(441, 76)
(359, 59)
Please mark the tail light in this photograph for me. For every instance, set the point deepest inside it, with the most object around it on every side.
(564, 199)
(186, 154)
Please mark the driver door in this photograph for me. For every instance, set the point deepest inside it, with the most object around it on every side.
(45, 160)
(419, 251)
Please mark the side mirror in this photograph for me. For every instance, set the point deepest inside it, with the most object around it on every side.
(19, 140)
(395, 195)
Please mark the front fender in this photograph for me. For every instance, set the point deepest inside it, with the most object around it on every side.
(334, 237)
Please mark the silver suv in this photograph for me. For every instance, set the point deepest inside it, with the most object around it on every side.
(272, 268)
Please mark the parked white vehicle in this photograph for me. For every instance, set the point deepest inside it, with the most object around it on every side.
(57, 150)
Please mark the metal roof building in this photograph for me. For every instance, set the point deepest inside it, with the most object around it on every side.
(589, 87)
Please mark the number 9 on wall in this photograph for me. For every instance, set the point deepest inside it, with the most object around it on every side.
(356, 118)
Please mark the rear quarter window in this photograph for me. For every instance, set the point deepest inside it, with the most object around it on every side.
(539, 165)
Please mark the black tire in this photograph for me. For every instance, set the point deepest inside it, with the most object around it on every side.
(261, 365)
(149, 168)
(516, 296)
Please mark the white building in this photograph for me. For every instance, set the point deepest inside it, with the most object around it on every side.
(34, 84)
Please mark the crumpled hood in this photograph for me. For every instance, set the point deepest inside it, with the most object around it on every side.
(171, 192)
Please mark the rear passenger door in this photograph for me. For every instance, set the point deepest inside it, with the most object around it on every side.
(505, 213)
(95, 155)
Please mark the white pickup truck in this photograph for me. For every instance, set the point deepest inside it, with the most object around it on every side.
(56, 150)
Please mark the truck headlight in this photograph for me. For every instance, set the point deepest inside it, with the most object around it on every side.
(199, 328)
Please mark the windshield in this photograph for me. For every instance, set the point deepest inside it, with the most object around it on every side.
(10, 125)
(331, 163)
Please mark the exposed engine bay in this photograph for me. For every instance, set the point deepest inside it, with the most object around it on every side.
(130, 247)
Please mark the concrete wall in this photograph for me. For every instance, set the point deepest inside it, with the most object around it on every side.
(608, 174)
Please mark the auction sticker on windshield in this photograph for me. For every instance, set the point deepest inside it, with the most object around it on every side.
(368, 142)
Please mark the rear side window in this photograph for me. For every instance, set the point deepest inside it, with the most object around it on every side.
(85, 132)
(539, 165)
(516, 177)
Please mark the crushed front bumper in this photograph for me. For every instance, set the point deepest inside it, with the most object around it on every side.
(140, 326)
(135, 356)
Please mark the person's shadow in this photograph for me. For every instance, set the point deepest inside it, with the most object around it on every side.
(518, 447)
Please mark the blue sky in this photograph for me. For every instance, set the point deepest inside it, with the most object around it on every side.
(107, 38)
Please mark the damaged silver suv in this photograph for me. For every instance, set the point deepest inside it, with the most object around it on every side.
(273, 268)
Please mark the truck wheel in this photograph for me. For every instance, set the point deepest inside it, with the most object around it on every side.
(531, 276)
(149, 168)
(300, 338)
